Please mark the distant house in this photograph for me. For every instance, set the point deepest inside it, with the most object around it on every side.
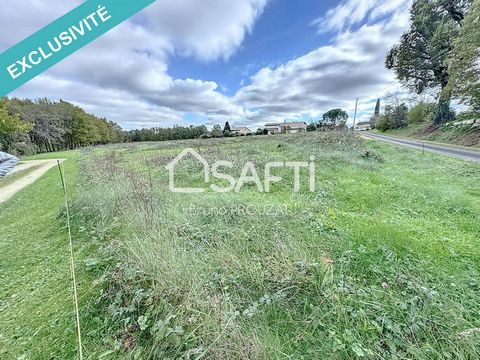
(241, 131)
(286, 128)
(363, 126)
(273, 129)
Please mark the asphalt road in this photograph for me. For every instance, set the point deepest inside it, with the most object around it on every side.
(439, 149)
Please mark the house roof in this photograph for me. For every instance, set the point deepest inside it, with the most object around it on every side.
(295, 124)
(273, 124)
(239, 128)
(289, 125)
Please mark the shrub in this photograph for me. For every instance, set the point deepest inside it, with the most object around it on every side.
(24, 149)
(443, 114)
(419, 113)
(429, 118)
(342, 125)
(384, 122)
(372, 155)
(468, 115)
(217, 131)
(373, 121)
(399, 116)
(395, 117)
(312, 127)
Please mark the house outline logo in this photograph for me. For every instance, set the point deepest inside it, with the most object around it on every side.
(249, 174)
(171, 171)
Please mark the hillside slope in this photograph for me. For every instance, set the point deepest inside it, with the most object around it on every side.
(462, 136)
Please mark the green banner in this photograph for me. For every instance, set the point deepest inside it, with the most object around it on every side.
(61, 38)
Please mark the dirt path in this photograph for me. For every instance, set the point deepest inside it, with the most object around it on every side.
(25, 165)
(9, 190)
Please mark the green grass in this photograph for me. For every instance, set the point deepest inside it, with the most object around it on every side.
(382, 261)
(36, 306)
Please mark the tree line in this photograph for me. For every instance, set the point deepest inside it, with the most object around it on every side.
(166, 134)
(28, 127)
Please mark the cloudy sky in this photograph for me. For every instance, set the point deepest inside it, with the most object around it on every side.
(209, 61)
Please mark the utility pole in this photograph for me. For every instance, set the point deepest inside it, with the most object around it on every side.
(355, 117)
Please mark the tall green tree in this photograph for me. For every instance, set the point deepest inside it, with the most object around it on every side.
(420, 59)
(464, 63)
(377, 109)
(376, 114)
(217, 131)
(10, 127)
(335, 117)
(227, 128)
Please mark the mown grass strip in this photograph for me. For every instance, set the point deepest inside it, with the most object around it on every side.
(37, 320)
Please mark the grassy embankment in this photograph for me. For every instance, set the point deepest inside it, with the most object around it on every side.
(461, 136)
(382, 261)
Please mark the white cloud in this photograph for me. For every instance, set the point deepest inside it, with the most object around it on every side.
(330, 76)
(20, 19)
(124, 74)
(353, 12)
(205, 29)
(129, 65)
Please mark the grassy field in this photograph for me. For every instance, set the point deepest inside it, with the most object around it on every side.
(380, 262)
